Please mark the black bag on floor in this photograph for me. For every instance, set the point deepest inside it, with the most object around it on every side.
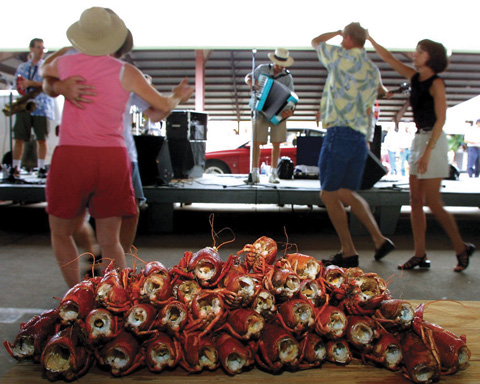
(285, 168)
(454, 173)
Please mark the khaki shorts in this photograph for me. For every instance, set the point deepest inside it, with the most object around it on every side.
(278, 133)
(25, 122)
(438, 166)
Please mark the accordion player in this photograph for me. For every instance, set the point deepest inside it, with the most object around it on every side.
(273, 98)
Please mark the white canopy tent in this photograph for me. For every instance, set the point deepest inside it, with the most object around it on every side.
(249, 23)
(459, 116)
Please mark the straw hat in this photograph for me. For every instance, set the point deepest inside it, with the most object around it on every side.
(281, 57)
(98, 32)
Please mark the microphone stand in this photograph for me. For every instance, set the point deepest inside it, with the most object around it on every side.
(254, 120)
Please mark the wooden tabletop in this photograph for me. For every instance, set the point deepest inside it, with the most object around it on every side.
(458, 317)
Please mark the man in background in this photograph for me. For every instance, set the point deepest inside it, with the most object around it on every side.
(28, 80)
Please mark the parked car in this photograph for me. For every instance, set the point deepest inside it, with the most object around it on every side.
(237, 160)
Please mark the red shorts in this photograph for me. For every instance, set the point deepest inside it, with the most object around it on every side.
(95, 177)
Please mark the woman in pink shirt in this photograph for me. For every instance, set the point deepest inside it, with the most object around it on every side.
(90, 166)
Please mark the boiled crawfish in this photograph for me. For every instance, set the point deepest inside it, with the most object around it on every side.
(64, 356)
(296, 315)
(306, 267)
(387, 351)
(185, 290)
(77, 302)
(33, 336)
(314, 351)
(233, 355)
(244, 324)
(172, 318)
(155, 284)
(420, 363)
(330, 322)
(449, 349)
(338, 351)
(205, 265)
(239, 288)
(361, 332)
(277, 349)
(260, 255)
(394, 315)
(111, 291)
(101, 325)
(264, 304)
(162, 352)
(140, 318)
(282, 282)
(207, 311)
(314, 291)
(122, 354)
(199, 352)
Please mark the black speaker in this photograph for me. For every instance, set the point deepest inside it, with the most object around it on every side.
(177, 124)
(454, 173)
(376, 144)
(153, 160)
(181, 155)
(187, 125)
(374, 171)
(198, 151)
(308, 150)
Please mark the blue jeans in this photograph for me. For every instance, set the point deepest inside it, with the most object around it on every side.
(342, 159)
(392, 158)
(404, 157)
(473, 161)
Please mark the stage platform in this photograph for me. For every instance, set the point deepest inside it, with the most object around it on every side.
(458, 317)
(386, 198)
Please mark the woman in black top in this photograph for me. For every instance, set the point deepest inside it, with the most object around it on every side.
(428, 161)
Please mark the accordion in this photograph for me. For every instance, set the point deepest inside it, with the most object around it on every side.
(273, 98)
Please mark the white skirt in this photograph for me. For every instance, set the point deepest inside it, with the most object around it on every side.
(438, 166)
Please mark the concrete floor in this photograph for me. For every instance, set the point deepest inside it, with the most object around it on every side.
(30, 280)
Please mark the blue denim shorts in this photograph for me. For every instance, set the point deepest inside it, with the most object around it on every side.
(342, 159)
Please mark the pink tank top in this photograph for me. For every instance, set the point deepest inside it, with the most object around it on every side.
(100, 124)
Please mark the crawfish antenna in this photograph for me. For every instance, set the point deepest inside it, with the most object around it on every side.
(215, 235)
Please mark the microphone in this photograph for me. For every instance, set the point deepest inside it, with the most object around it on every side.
(404, 88)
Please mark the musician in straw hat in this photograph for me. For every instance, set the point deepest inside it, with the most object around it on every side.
(277, 70)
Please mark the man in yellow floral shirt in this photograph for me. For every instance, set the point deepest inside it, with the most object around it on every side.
(348, 98)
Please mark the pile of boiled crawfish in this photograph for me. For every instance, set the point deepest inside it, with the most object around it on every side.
(255, 309)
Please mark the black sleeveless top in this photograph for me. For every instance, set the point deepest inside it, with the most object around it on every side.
(422, 102)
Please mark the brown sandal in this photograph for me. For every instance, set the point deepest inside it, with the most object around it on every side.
(464, 257)
(421, 262)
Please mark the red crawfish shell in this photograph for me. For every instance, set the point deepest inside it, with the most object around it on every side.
(233, 355)
(101, 325)
(64, 357)
(306, 267)
(246, 323)
(162, 352)
(77, 302)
